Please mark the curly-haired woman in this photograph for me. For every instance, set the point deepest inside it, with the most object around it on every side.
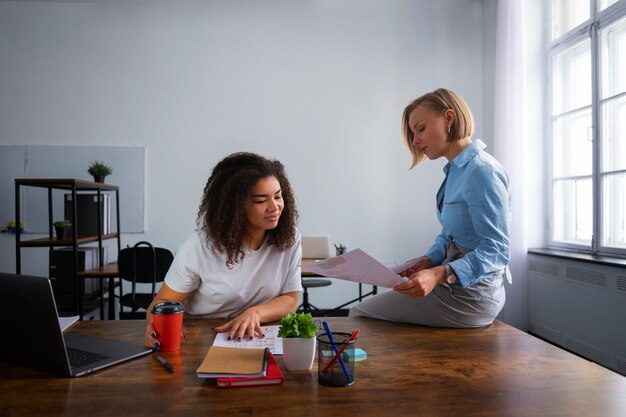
(243, 261)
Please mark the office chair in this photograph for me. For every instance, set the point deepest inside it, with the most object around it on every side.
(313, 247)
(141, 264)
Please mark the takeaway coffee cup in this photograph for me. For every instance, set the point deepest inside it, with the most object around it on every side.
(168, 324)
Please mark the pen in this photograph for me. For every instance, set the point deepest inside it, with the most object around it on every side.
(166, 364)
(330, 365)
(337, 354)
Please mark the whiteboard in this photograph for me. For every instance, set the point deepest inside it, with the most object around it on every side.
(41, 161)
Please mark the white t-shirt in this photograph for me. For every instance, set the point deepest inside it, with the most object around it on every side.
(221, 292)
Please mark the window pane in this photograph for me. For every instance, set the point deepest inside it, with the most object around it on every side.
(572, 79)
(614, 135)
(572, 151)
(567, 14)
(614, 211)
(573, 221)
(606, 3)
(614, 59)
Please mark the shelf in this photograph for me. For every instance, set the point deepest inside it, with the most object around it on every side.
(65, 184)
(46, 242)
(105, 271)
(77, 187)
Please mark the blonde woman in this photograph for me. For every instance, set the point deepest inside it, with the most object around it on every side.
(459, 281)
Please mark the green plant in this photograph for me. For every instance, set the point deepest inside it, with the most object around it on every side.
(297, 325)
(63, 224)
(99, 169)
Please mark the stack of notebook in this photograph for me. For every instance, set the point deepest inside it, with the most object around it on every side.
(235, 367)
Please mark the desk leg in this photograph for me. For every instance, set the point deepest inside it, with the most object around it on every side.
(101, 293)
(111, 298)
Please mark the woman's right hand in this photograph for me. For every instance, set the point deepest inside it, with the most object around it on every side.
(164, 294)
(151, 340)
(423, 262)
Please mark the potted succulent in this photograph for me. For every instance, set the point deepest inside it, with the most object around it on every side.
(99, 170)
(62, 227)
(298, 334)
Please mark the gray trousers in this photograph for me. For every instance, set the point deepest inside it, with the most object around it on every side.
(446, 306)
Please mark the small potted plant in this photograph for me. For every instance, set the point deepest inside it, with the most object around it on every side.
(298, 334)
(62, 227)
(99, 170)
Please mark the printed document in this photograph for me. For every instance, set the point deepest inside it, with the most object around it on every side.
(271, 340)
(358, 266)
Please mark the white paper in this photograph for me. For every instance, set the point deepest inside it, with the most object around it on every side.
(66, 322)
(271, 340)
(358, 266)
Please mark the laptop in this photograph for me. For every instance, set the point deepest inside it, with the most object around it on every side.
(33, 336)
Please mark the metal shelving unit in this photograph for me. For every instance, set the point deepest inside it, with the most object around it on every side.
(75, 186)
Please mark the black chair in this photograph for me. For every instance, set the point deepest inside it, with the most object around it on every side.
(141, 264)
(306, 306)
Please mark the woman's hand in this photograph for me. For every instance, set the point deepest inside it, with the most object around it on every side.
(421, 283)
(164, 294)
(151, 340)
(244, 326)
(422, 262)
(249, 322)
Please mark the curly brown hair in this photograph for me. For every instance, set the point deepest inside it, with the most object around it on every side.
(222, 212)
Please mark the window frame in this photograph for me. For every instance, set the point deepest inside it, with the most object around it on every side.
(588, 30)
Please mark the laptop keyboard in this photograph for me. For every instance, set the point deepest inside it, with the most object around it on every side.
(79, 358)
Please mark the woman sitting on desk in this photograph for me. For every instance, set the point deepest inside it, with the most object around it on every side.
(459, 282)
(243, 261)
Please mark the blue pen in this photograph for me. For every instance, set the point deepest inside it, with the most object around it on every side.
(332, 341)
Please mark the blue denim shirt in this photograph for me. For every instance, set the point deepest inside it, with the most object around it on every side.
(475, 215)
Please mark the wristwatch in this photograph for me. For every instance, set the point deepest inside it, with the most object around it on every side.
(450, 274)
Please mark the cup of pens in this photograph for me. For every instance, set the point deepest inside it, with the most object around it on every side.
(335, 359)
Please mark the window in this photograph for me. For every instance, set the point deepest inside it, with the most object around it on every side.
(587, 56)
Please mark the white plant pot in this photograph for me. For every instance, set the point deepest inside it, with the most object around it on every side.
(298, 353)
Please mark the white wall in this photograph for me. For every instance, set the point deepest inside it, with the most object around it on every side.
(320, 85)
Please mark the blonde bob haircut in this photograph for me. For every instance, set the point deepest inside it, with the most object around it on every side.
(439, 100)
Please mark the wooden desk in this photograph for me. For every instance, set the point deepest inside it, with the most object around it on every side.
(410, 371)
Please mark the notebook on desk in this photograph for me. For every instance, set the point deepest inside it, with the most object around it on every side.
(33, 336)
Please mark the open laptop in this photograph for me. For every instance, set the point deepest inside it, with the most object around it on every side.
(32, 334)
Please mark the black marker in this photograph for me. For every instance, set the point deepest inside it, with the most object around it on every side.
(165, 364)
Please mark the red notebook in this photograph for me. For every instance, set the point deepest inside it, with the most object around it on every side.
(273, 377)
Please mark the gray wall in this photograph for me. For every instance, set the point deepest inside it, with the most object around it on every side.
(318, 85)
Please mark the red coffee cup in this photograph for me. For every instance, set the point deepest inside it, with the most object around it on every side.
(167, 320)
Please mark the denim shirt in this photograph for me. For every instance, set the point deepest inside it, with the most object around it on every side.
(475, 215)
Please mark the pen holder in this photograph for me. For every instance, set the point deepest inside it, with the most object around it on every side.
(330, 371)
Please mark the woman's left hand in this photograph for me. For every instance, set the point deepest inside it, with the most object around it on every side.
(422, 283)
(244, 326)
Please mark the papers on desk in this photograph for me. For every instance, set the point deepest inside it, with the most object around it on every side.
(271, 341)
(66, 322)
(358, 266)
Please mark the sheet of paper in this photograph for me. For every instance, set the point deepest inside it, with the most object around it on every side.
(356, 266)
(271, 340)
(399, 268)
(66, 322)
